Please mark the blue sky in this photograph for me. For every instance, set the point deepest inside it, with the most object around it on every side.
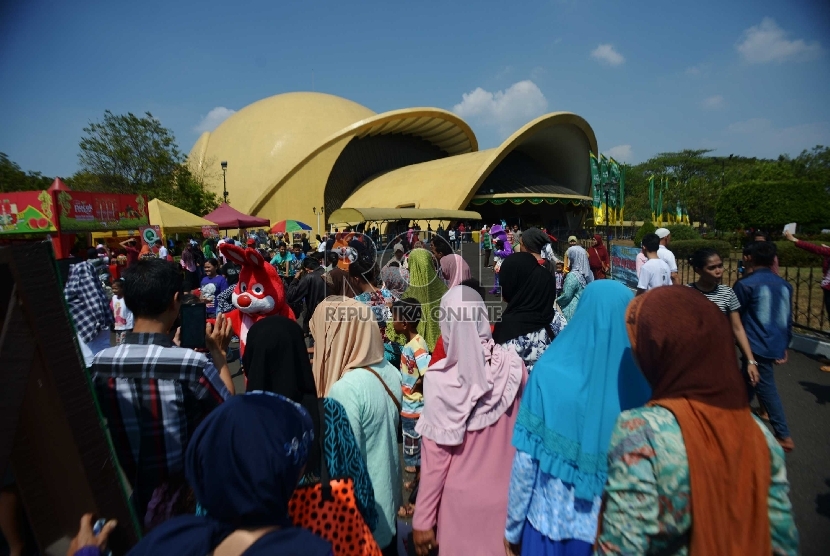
(743, 77)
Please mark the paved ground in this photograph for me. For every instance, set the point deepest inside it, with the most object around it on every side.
(805, 391)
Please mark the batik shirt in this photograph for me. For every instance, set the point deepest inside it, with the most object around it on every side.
(532, 345)
(647, 496)
(344, 460)
(414, 362)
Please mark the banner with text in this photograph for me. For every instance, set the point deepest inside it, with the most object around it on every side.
(87, 212)
(624, 264)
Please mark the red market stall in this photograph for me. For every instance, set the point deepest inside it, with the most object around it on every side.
(62, 214)
(226, 218)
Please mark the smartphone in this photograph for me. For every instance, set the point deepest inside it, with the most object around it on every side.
(96, 530)
(193, 319)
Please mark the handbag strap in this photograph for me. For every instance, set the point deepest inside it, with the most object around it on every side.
(388, 390)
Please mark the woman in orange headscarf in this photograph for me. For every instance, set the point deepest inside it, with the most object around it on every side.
(693, 472)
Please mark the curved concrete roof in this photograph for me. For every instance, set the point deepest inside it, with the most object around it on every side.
(559, 142)
(268, 141)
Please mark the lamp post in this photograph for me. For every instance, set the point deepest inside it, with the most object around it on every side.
(224, 165)
(314, 210)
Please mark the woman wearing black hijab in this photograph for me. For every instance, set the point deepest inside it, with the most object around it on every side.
(530, 322)
(276, 360)
(537, 243)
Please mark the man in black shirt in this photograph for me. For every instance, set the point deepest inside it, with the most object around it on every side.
(308, 284)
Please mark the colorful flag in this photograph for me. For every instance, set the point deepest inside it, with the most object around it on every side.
(621, 210)
(603, 179)
(659, 218)
(651, 198)
(613, 198)
(596, 188)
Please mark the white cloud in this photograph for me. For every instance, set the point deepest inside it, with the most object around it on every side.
(713, 103)
(700, 70)
(768, 42)
(506, 110)
(213, 119)
(760, 137)
(605, 53)
(620, 153)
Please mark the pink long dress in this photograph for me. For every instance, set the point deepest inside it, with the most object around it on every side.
(464, 488)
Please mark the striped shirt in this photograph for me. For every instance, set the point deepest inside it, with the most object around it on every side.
(153, 396)
(722, 296)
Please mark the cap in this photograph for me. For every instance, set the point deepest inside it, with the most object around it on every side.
(397, 247)
(662, 232)
(251, 242)
(571, 238)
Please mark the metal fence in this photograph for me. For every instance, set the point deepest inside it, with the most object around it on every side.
(808, 297)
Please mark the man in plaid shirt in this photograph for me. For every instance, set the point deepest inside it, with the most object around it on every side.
(153, 393)
(88, 304)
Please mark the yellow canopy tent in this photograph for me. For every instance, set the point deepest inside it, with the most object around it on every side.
(174, 220)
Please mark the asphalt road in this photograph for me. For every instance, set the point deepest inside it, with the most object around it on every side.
(805, 392)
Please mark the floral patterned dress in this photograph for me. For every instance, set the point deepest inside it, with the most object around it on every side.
(647, 496)
(532, 345)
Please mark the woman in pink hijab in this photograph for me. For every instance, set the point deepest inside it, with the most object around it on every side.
(471, 400)
(455, 270)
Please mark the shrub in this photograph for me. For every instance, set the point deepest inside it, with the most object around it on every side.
(647, 228)
(682, 232)
(771, 205)
(790, 255)
(684, 249)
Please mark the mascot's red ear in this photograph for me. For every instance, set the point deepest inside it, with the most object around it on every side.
(234, 253)
(253, 257)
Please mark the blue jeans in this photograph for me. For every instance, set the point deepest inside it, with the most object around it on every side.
(411, 442)
(767, 394)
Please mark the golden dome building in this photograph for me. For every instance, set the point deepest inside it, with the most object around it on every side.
(292, 154)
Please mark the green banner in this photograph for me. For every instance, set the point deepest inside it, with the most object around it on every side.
(651, 198)
(621, 208)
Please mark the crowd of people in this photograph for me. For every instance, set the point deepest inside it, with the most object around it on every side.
(584, 420)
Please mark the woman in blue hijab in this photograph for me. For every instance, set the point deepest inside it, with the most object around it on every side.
(571, 402)
(243, 464)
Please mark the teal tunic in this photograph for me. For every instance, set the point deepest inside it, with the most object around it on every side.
(374, 420)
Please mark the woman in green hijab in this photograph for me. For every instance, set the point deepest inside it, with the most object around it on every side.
(427, 287)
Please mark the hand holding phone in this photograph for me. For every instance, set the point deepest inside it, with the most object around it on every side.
(192, 332)
(91, 536)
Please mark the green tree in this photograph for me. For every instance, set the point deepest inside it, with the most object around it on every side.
(771, 205)
(13, 178)
(130, 154)
(699, 179)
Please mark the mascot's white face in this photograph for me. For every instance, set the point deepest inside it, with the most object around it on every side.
(252, 299)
